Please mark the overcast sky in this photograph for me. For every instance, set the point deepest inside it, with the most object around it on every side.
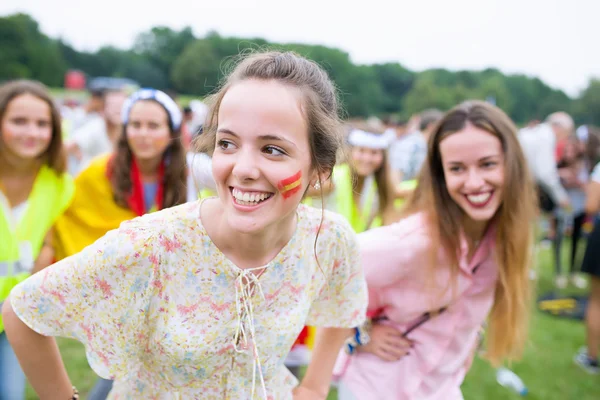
(552, 39)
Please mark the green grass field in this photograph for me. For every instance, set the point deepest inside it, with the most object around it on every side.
(547, 367)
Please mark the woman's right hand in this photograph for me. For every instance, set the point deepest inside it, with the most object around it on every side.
(386, 343)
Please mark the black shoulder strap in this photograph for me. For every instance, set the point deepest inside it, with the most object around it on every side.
(431, 314)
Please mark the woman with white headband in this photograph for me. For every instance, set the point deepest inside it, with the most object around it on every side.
(146, 172)
(360, 189)
(363, 191)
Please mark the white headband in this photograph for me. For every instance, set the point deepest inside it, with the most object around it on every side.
(369, 140)
(160, 97)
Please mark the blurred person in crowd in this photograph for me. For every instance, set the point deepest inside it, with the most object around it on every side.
(539, 144)
(98, 135)
(574, 174)
(186, 134)
(587, 357)
(589, 140)
(459, 257)
(93, 108)
(427, 121)
(589, 137)
(360, 187)
(69, 108)
(200, 181)
(407, 151)
(34, 191)
(200, 112)
(74, 116)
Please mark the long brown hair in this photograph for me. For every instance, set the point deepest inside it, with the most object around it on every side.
(54, 156)
(514, 222)
(382, 178)
(174, 180)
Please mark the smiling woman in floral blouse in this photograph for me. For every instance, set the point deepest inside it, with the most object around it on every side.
(204, 300)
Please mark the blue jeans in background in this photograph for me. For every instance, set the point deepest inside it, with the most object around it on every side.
(12, 378)
(101, 389)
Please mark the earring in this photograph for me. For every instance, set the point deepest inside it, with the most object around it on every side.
(317, 185)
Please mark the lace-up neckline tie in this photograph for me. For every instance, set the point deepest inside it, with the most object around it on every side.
(245, 285)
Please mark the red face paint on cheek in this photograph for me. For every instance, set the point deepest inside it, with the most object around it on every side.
(289, 186)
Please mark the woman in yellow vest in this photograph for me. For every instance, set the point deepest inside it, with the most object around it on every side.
(146, 172)
(34, 191)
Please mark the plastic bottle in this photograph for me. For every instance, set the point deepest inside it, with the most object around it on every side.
(509, 379)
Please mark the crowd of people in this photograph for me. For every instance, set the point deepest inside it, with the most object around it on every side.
(215, 250)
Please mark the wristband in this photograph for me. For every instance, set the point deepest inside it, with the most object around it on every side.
(360, 337)
(75, 395)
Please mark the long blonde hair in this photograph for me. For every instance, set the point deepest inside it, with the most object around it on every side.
(514, 222)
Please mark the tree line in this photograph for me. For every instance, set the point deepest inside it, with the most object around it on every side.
(179, 61)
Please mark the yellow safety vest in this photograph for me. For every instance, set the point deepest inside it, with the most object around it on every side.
(361, 220)
(50, 196)
(204, 193)
(66, 127)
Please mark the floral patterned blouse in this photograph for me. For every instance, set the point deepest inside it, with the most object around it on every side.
(163, 312)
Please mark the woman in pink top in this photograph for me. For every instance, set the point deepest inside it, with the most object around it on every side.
(460, 256)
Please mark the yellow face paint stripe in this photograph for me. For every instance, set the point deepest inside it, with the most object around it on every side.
(291, 185)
